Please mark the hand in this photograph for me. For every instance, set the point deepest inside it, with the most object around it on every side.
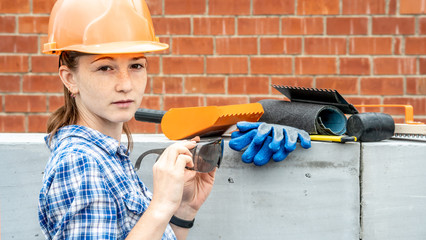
(196, 190)
(267, 140)
(169, 176)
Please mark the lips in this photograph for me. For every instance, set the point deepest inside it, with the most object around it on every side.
(123, 103)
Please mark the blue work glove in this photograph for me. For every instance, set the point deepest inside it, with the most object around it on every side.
(266, 140)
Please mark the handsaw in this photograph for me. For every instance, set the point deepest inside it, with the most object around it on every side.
(182, 123)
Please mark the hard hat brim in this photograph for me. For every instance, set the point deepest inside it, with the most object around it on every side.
(109, 48)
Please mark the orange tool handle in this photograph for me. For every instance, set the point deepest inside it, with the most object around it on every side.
(408, 111)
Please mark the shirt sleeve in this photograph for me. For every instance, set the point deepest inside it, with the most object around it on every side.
(79, 203)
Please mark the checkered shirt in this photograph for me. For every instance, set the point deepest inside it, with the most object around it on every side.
(90, 188)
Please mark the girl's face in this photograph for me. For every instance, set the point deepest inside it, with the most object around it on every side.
(109, 88)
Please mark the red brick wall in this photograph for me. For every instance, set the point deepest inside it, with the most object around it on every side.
(231, 51)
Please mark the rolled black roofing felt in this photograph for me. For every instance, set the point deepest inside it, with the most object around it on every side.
(313, 118)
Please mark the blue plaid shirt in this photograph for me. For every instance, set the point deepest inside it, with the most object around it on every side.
(90, 188)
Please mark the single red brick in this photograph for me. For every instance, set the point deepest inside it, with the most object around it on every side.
(33, 24)
(18, 6)
(12, 123)
(43, 6)
(7, 24)
(192, 45)
(166, 85)
(10, 83)
(370, 46)
(315, 65)
(214, 26)
(363, 7)
(307, 82)
(302, 26)
(205, 85)
(227, 65)
(279, 45)
(271, 65)
(393, 25)
(412, 7)
(42, 83)
(261, 7)
(182, 101)
(155, 7)
(393, 66)
(392, 7)
(419, 104)
(325, 46)
(324, 7)
(347, 26)
(258, 26)
(225, 100)
(183, 65)
(55, 102)
(382, 86)
(416, 86)
(37, 123)
(415, 45)
(226, 7)
(44, 64)
(236, 45)
(18, 44)
(184, 7)
(171, 26)
(248, 85)
(25, 103)
(422, 65)
(354, 66)
(143, 127)
(16, 63)
(153, 64)
(344, 85)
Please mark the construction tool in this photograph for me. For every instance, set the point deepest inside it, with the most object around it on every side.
(328, 138)
(410, 129)
(181, 123)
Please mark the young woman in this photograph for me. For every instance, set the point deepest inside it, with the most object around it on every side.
(90, 189)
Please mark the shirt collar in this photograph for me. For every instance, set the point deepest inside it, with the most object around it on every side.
(107, 143)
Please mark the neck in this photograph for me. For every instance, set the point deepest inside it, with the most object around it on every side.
(113, 130)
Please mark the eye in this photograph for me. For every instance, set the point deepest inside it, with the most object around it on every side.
(137, 66)
(105, 68)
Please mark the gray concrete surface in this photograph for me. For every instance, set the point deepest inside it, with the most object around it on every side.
(313, 194)
(394, 190)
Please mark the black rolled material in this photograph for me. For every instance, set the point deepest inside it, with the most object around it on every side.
(371, 126)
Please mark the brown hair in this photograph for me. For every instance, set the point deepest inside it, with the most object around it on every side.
(68, 114)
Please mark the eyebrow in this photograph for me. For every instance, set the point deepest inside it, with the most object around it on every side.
(111, 58)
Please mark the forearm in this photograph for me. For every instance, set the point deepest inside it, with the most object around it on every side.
(187, 213)
(151, 225)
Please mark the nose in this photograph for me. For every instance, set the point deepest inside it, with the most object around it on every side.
(124, 81)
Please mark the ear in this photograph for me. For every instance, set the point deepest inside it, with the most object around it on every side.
(68, 78)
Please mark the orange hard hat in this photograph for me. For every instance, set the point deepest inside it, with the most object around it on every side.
(101, 27)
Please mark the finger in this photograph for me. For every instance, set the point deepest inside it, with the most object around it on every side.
(247, 126)
(196, 139)
(250, 152)
(237, 134)
(281, 154)
(241, 142)
(278, 137)
(290, 140)
(263, 131)
(264, 154)
(182, 161)
(305, 140)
